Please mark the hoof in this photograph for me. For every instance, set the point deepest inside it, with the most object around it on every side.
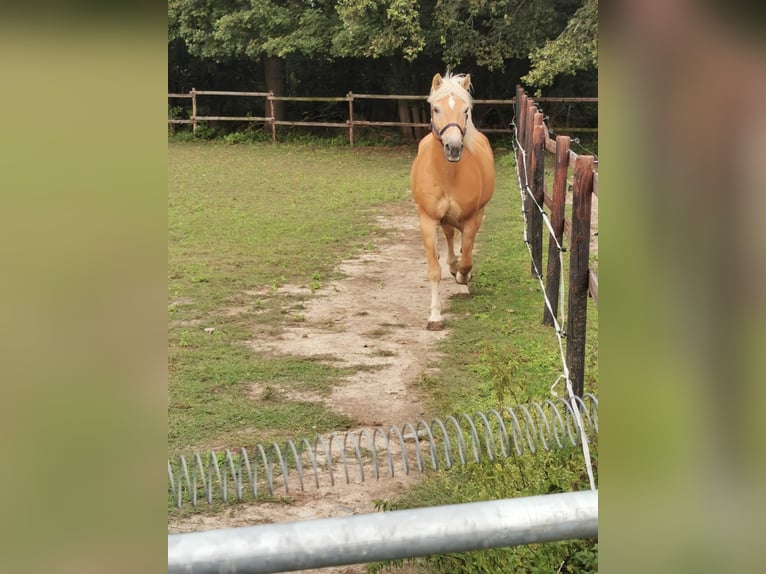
(435, 325)
(462, 279)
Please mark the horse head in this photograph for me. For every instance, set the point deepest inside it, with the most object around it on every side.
(451, 112)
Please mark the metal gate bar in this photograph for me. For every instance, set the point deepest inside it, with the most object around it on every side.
(386, 535)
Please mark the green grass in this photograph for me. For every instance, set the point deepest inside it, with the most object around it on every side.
(244, 220)
(243, 216)
(500, 353)
(544, 473)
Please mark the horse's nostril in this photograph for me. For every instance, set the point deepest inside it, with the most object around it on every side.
(453, 152)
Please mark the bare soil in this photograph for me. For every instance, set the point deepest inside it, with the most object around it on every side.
(374, 318)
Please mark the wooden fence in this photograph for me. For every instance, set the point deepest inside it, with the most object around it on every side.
(349, 124)
(583, 281)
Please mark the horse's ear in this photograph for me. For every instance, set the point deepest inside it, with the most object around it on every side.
(436, 82)
(466, 82)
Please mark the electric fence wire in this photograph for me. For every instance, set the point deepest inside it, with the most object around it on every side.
(526, 191)
(575, 141)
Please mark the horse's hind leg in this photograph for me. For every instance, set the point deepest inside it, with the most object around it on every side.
(449, 234)
(428, 233)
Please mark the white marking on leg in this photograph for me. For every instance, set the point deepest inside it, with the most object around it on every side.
(436, 307)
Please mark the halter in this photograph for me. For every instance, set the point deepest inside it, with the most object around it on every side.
(440, 133)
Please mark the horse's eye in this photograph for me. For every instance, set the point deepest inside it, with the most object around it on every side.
(437, 110)
(466, 112)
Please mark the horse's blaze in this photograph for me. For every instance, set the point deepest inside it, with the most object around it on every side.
(452, 179)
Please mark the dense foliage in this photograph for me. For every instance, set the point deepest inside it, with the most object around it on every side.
(575, 49)
(329, 47)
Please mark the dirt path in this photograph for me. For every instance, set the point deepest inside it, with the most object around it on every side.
(374, 317)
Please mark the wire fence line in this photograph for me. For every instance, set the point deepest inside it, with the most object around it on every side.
(530, 147)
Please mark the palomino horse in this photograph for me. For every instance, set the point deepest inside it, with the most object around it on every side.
(452, 179)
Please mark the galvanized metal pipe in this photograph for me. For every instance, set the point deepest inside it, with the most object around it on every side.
(386, 535)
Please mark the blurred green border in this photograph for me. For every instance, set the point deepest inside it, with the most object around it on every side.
(83, 235)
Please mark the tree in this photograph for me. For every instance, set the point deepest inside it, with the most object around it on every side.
(488, 33)
(400, 41)
(492, 32)
(375, 28)
(575, 49)
(262, 30)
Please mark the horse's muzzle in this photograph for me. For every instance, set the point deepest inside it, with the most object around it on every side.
(453, 152)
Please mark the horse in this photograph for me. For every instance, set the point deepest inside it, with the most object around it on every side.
(452, 179)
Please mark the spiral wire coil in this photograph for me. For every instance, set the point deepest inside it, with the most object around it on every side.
(236, 475)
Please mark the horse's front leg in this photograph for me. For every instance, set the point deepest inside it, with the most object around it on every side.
(449, 234)
(470, 229)
(428, 233)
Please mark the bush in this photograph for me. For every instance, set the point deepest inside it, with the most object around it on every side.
(205, 131)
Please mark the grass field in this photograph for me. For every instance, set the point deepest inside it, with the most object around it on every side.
(233, 231)
(248, 218)
(245, 219)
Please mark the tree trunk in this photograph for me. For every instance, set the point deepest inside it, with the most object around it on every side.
(404, 116)
(418, 116)
(275, 83)
(402, 81)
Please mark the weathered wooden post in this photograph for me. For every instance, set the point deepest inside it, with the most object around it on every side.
(522, 120)
(529, 131)
(350, 97)
(270, 98)
(194, 109)
(518, 114)
(558, 201)
(529, 206)
(578, 270)
(537, 164)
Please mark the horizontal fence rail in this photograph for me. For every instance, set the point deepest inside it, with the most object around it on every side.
(348, 124)
(233, 476)
(387, 535)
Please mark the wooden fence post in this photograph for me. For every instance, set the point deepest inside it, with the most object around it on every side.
(529, 205)
(517, 115)
(558, 201)
(537, 154)
(578, 270)
(350, 97)
(194, 109)
(529, 131)
(270, 98)
(522, 135)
